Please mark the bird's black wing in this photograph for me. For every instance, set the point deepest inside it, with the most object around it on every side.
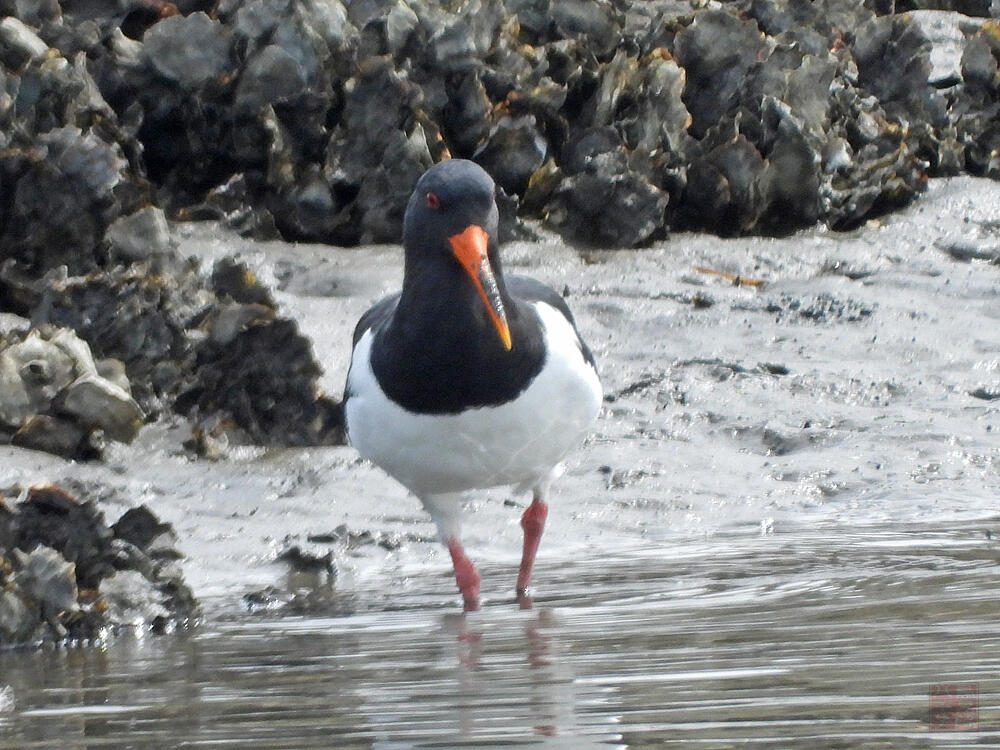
(375, 316)
(532, 290)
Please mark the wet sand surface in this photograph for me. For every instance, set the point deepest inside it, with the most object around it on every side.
(781, 533)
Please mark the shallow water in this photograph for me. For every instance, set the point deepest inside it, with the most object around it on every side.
(809, 638)
(782, 532)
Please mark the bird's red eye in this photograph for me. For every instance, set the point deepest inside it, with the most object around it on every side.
(432, 200)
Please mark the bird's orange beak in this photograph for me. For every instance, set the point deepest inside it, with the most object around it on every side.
(469, 246)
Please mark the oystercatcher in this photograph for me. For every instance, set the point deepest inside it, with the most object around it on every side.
(466, 379)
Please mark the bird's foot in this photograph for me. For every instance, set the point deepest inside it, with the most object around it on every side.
(533, 523)
(466, 575)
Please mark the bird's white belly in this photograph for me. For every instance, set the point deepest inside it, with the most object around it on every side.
(515, 443)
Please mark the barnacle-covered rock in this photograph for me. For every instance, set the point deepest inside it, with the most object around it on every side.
(375, 168)
(62, 198)
(893, 58)
(597, 209)
(51, 516)
(611, 121)
(53, 398)
(48, 581)
(135, 315)
(258, 369)
(65, 574)
(716, 52)
(513, 151)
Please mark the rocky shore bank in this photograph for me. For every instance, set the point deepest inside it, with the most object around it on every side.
(66, 575)
(611, 123)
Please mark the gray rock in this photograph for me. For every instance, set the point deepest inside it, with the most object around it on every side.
(18, 620)
(113, 370)
(190, 50)
(131, 598)
(140, 236)
(10, 323)
(978, 64)
(946, 31)
(127, 52)
(597, 209)
(76, 349)
(400, 23)
(44, 368)
(15, 403)
(60, 437)
(98, 403)
(48, 579)
(272, 75)
(19, 45)
(514, 150)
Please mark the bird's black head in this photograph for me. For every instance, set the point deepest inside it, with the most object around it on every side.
(449, 197)
(452, 219)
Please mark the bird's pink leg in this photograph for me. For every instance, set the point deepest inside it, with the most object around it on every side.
(466, 575)
(533, 523)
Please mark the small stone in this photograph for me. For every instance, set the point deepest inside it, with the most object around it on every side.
(188, 50)
(15, 403)
(139, 236)
(97, 403)
(271, 76)
(43, 367)
(978, 63)
(18, 621)
(140, 526)
(113, 370)
(19, 45)
(47, 578)
(76, 349)
(60, 437)
(307, 562)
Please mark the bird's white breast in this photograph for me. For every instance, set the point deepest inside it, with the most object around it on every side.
(519, 442)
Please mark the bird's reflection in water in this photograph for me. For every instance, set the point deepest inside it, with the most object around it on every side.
(513, 672)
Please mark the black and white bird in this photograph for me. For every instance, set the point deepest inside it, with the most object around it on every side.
(466, 379)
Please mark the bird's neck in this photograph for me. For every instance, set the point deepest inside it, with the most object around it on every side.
(442, 299)
(440, 352)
